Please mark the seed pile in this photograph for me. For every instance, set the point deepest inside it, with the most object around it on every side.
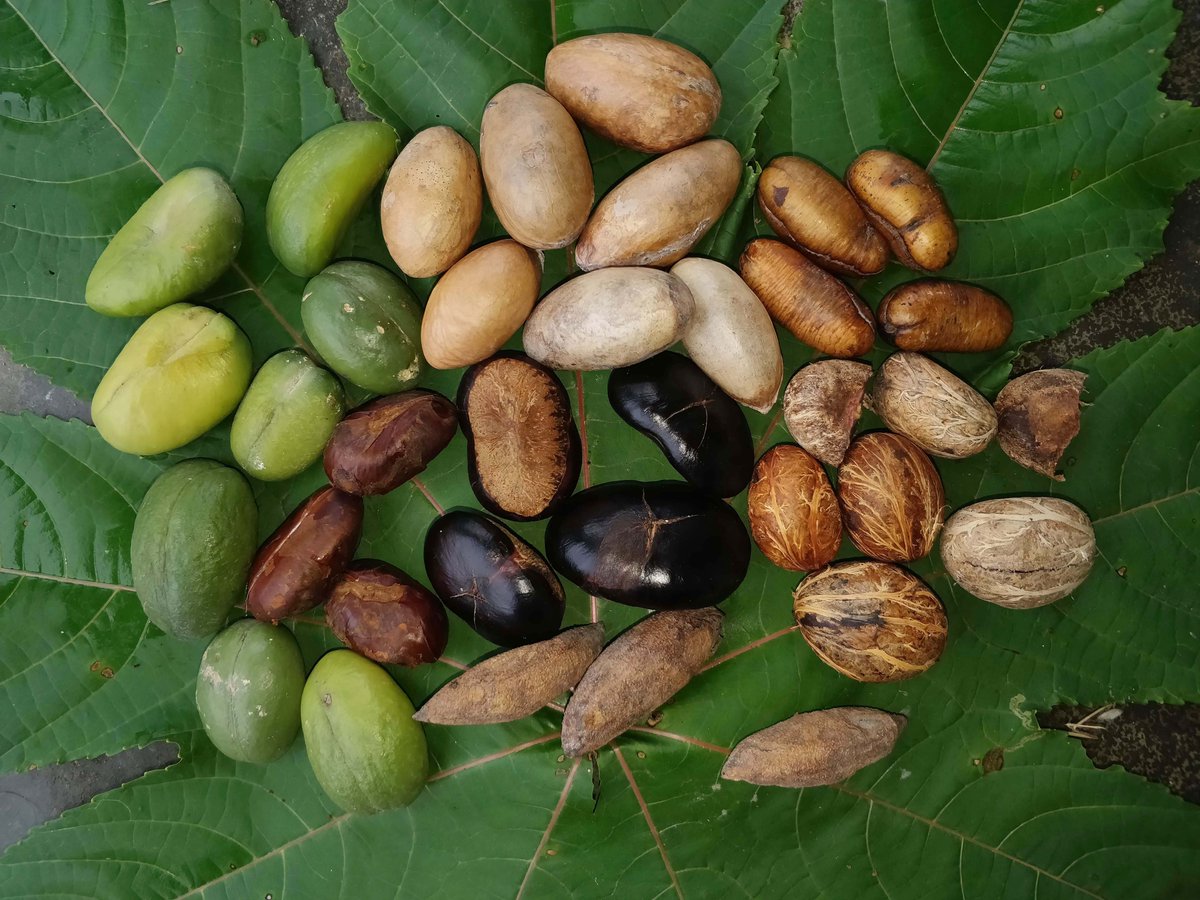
(676, 547)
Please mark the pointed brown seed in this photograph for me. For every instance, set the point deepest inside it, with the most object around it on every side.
(516, 683)
(815, 748)
(1039, 417)
(638, 672)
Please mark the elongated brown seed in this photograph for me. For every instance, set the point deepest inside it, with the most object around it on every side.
(815, 748)
(892, 498)
(871, 621)
(806, 300)
(947, 316)
(904, 203)
(637, 673)
(1038, 417)
(515, 683)
(814, 212)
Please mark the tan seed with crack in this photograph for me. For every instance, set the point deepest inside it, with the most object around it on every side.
(637, 673)
(815, 748)
(515, 683)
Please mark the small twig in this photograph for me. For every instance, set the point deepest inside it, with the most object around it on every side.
(1085, 729)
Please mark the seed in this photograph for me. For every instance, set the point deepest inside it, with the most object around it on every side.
(1038, 417)
(948, 316)
(794, 514)
(822, 404)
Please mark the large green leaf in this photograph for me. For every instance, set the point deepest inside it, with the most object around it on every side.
(506, 814)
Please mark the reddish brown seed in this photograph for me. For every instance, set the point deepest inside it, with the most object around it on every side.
(871, 621)
(794, 514)
(1038, 417)
(384, 443)
(946, 316)
(814, 748)
(904, 203)
(813, 211)
(299, 563)
(378, 611)
(806, 300)
(892, 498)
(523, 449)
(822, 404)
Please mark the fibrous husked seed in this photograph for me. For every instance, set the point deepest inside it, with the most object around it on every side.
(892, 497)
(295, 569)
(384, 443)
(949, 316)
(656, 215)
(638, 91)
(793, 511)
(515, 683)
(806, 300)
(730, 335)
(492, 579)
(871, 621)
(536, 167)
(822, 404)
(637, 673)
(1019, 552)
(813, 211)
(932, 406)
(698, 427)
(815, 748)
(1038, 417)
(904, 203)
(382, 613)
(523, 449)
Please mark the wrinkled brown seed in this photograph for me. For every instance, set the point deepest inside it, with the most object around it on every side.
(515, 683)
(815, 748)
(379, 611)
(822, 404)
(947, 316)
(1038, 417)
(638, 672)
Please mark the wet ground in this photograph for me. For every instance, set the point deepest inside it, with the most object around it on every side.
(1157, 741)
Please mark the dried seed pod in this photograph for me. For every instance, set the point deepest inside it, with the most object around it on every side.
(931, 405)
(731, 335)
(384, 443)
(382, 613)
(904, 203)
(515, 683)
(523, 449)
(1038, 417)
(806, 300)
(892, 498)
(637, 91)
(299, 563)
(608, 318)
(813, 211)
(479, 304)
(794, 513)
(1019, 552)
(637, 673)
(698, 427)
(657, 214)
(432, 202)
(815, 748)
(492, 579)
(947, 316)
(822, 404)
(871, 621)
(535, 167)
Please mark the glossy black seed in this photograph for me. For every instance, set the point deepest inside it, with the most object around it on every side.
(664, 545)
(699, 427)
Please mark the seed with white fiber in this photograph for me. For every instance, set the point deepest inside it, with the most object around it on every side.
(1019, 552)
(932, 406)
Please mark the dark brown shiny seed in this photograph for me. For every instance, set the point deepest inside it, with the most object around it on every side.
(380, 612)
(813, 211)
(295, 569)
(945, 316)
(892, 498)
(806, 300)
(384, 443)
